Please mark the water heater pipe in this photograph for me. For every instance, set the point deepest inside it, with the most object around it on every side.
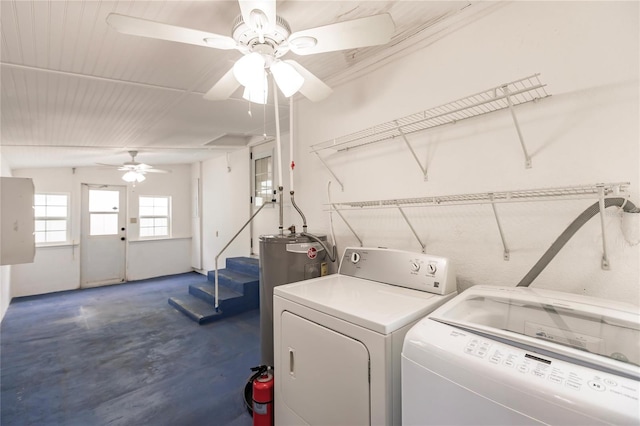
(304, 219)
(291, 163)
(279, 155)
(278, 141)
(626, 205)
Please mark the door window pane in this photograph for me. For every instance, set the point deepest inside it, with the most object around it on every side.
(101, 200)
(263, 182)
(103, 223)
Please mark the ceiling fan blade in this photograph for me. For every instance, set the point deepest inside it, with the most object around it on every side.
(108, 165)
(223, 88)
(259, 15)
(369, 31)
(313, 88)
(156, 171)
(151, 29)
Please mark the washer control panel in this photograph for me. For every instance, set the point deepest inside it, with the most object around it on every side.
(560, 377)
(418, 271)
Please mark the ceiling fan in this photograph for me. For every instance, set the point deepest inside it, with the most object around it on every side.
(263, 38)
(134, 170)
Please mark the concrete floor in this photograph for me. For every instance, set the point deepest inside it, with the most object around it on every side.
(120, 355)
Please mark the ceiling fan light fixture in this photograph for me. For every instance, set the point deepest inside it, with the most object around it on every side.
(304, 42)
(258, 93)
(288, 79)
(133, 176)
(249, 70)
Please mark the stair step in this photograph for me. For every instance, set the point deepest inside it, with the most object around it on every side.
(196, 309)
(246, 265)
(206, 292)
(238, 291)
(232, 279)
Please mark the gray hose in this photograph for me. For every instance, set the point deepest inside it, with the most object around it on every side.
(557, 245)
(304, 219)
(332, 254)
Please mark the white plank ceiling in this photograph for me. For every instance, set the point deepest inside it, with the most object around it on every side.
(75, 92)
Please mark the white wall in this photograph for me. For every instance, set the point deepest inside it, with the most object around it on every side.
(58, 268)
(5, 270)
(586, 132)
(225, 206)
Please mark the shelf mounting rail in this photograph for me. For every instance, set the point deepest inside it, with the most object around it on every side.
(599, 191)
(504, 96)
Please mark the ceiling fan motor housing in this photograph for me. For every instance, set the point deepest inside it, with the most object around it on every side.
(274, 44)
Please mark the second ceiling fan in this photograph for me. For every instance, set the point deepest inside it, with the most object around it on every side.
(264, 37)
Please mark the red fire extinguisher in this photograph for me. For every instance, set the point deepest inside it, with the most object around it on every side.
(263, 397)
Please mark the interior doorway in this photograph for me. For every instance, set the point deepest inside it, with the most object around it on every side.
(103, 235)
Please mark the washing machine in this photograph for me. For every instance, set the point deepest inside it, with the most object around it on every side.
(338, 338)
(511, 356)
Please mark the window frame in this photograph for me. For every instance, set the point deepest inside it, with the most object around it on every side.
(66, 219)
(155, 216)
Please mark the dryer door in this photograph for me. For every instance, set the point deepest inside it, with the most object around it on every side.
(326, 374)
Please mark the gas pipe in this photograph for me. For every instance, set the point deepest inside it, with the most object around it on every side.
(263, 398)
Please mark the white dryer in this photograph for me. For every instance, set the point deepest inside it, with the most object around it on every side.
(511, 356)
(338, 338)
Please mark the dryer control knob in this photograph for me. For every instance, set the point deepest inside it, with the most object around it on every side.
(432, 268)
(415, 266)
(355, 257)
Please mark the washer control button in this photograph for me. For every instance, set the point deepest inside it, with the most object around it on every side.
(573, 385)
(597, 386)
(555, 379)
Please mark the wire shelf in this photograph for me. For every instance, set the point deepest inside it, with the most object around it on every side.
(517, 92)
(560, 193)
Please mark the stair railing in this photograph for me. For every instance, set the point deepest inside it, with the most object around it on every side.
(229, 243)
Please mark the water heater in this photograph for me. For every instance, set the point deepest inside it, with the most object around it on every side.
(285, 259)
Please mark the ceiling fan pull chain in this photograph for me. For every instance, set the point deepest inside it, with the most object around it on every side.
(264, 121)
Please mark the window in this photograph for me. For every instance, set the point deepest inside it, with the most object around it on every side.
(154, 216)
(263, 179)
(51, 212)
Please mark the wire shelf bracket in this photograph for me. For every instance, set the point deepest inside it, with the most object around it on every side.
(505, 254)
(605, 259)
(415, 234)
(347, 223)
(504, 96)
(600, 191)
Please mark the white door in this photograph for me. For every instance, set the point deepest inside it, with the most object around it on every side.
(325, 377)
(103, 235)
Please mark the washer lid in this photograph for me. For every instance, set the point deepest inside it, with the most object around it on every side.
(378, 307)
(581, 327)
